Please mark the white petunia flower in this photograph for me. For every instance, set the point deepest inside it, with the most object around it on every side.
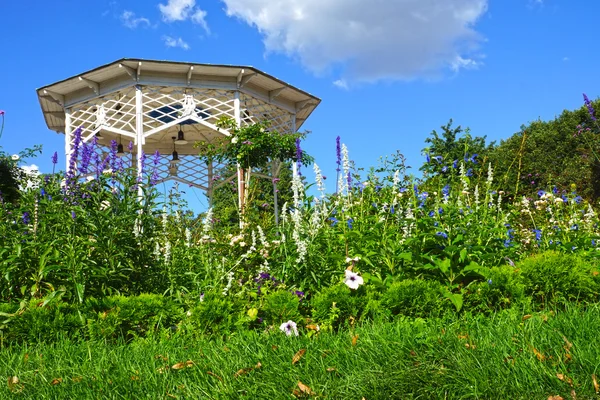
(353, 280)
(289, 328)
(15, 157)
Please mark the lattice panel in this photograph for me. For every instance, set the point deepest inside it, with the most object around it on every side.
(255, 110)
(189, 170)
(116, 111)
(164, 106)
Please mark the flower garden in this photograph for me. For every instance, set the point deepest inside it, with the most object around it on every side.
(452, 285)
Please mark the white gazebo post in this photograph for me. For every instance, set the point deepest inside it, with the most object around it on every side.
(68, 138)
(240, 172)
(139, 135)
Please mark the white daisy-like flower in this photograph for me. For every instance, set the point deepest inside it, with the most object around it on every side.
(289, 328)
(234, 140)
(15, 157)
(353, 280)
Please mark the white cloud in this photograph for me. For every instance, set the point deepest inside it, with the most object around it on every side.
(182, 10)
(130, 21)
(369, 41)
(175, 42)
(341, 83)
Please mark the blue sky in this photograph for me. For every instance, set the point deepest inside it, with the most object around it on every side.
(387, 73)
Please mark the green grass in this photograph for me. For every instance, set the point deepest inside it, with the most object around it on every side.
(403, 359)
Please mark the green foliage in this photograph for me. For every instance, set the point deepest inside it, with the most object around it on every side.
(335, 305)
(553, 278)
(560, 152)
(503, 289)
(215, 315)
(119, 317)
(281, 306)
(252, 146)
(415, 298)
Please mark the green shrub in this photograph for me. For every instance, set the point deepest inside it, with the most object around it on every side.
(128, 317)
(502, 290)
(415, 298)
(335, 305)
(281, 306)
(215, 314)
(47, 323)
(553, 278)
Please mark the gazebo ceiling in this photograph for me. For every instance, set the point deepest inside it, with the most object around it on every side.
(127, 72)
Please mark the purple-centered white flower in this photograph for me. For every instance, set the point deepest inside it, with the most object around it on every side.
(289, 328)
(353, 280)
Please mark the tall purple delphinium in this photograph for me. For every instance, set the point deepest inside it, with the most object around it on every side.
(349, 178)
(589, 106)
(86, 157)
(72, 170)
(155, 162)
(54, 161)
(338, 151)
(298, 156)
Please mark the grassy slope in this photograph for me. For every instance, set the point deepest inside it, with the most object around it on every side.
(402, 359)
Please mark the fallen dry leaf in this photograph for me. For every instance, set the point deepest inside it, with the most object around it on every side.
(182, 365)
(298, 356)
(463, 336)
(539, 355)
(56, 381)
(77, 379)
(565, 378)
(573, 394)
(595, 382)
(135, 378)
(312, 327)
(331, 369)
(215, 375)
(242, 371)
(557, 397)
(526, 317)
(595, 273)
(14, 385)
(354, 340)
(171, 396)
(305, 389)
(470, 346)
(274, 347)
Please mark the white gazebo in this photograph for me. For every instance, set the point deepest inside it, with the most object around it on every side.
(168, 106)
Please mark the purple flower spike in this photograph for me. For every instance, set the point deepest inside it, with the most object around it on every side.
(55, 158)
(130, 146)
(589, 106)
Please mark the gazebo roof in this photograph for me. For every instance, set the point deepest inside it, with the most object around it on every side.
(54, 98)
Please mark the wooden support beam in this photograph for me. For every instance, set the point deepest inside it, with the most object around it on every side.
(130, 71)
(301, 105)
(189, 75)
(59, 98)
(95, 86)
(246, 78)
(239, 78)
(274, 93)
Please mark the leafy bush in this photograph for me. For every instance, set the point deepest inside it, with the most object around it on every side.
(116, 317)
(281, 306)
(215, 314)
(335, 305)
(502, 290)
(415, 298)
(553, 278)
(43, 323)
